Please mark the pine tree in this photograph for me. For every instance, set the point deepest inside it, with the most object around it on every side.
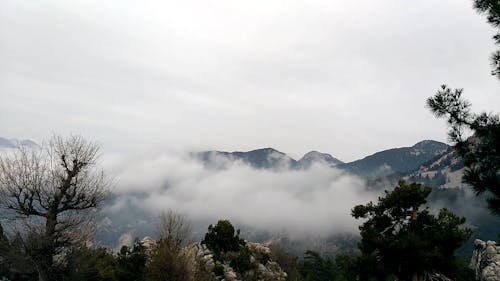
(402, 239)
(481, 151)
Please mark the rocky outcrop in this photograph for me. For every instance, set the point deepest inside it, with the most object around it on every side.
(261, 267)
(486, 260)
(149, 245)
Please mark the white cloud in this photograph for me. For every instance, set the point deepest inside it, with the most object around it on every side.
(316, 201)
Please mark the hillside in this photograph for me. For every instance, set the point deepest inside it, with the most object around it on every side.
(396, 160)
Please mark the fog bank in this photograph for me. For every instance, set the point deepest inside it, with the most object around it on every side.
(301, 203)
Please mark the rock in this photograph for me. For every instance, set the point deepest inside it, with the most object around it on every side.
(262, 267)
(149, 245)
(485, 260)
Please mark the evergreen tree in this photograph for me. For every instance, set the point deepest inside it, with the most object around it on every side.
(132, 263)
(223, 238)
(492, 9)
(316, 268)
(481, 151)
(91, 265)
(402, 240)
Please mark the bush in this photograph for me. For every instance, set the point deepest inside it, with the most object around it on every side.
(222, 238)
(218, 269)
(241, 262)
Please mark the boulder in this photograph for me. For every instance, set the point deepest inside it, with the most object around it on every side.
(485, 260)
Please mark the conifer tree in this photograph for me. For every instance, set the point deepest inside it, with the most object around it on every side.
(402, 240)
(481, 148)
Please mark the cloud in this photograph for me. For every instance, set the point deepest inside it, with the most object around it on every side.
(296, 75)
(316, 201)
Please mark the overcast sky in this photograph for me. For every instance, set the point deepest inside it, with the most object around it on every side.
(345, 77)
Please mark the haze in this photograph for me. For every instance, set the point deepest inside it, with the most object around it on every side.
(347, 78)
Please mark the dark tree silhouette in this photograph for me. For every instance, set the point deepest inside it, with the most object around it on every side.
(481, 150)
(492, 10)
(476, 136)
(402, 239)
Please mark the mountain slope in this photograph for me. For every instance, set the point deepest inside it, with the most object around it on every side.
(397, 160)
(264, 158)
(444, 170)
(314, 157)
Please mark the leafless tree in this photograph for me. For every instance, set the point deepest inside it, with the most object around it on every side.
(51, 195)
(170, 261)
(175, 228)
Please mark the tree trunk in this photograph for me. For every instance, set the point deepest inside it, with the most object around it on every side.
(44, 259)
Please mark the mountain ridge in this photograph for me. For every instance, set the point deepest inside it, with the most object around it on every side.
(13, 143)
(394, 160)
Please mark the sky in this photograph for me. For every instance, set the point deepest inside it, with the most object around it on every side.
(344, 77)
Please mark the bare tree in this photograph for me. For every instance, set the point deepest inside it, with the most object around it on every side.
(170, 260)
(175, 228)
(51, 194)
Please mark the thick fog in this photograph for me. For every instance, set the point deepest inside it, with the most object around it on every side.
(316, 201)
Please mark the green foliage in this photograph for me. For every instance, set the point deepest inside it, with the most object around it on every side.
(481, 152)
(264, 258)
(100, 265)
(218, 269)
(131, 263)
(222, 238)
(401, 240)
(492, 10)
(92, 264)
(317, 268)
(15, 263)
(241, 262)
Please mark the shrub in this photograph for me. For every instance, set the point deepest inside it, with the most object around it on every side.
(241, 262)
(222, 238)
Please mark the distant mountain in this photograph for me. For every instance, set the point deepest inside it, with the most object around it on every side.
(314, 157)
(13, 143)
(264, 158)
(397, 160)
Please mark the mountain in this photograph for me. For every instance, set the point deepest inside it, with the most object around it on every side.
(444, 170)
(314, 157)
(264, 158)
(397, 160)
(13, 143)
(5, 143)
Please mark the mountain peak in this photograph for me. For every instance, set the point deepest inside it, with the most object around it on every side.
(429, 147)
(315, 156)
(427, 143)
(265, 150)
(403, 159)
(262, 158)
